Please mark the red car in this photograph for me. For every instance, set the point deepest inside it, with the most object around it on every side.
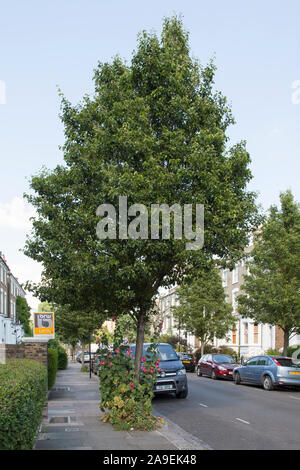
(216, 366)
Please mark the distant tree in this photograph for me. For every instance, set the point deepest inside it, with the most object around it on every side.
(76, 326)
(45, 307)
(203, 310)
(271, 291)
(23, 315)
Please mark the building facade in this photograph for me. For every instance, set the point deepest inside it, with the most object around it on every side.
(247, 337)
(10, 289)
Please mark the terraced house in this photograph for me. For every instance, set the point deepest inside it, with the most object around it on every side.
(10, 289)
(247, 338)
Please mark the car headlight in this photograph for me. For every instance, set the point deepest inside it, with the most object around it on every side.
(181, 372)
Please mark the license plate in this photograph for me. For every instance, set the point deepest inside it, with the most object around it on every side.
(230, 373)
(164, 387)
(295, 373)
(186, 362)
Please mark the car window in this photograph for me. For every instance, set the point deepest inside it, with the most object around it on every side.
(209, 357)
(262, 361)
(222, 358)
(252, 362)
(285, 362)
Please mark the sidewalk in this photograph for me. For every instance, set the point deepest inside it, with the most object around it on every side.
(74, 421)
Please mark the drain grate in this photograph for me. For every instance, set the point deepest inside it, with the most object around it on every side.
(59, 419)
(72, 429)
(61, 389)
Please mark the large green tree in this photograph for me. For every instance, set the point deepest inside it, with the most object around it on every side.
(203, 310)
(155, 132)
(272, 288)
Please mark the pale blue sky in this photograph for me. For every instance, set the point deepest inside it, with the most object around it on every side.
(45, 44)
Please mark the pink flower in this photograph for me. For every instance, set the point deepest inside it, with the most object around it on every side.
(131, 385)
(110, 364)
(159, 370)
(125, 374)
(102, 362)
(117, 351)
(143, 359)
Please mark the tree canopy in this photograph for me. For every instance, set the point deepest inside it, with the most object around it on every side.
(155, 132)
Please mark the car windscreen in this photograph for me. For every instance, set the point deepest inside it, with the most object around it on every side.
(285, 362)
(165, 352)
(220, 358)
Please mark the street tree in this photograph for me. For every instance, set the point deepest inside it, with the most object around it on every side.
(154, 132)
(76, 326)
(202, 309)
(271, 290)
(23, 314)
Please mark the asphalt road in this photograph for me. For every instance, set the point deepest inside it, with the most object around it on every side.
(229, 416)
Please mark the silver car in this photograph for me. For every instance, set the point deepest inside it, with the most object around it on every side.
(268, 371)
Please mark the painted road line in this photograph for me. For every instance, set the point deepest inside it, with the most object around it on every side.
(242, 421)
(202, 404)
(295, 398)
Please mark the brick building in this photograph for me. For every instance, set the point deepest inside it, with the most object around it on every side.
(10, 289)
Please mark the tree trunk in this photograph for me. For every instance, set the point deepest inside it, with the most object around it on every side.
(286, 338)
(202, 348)
(82, 356)
(139, 343)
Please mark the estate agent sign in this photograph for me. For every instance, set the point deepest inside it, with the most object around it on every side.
(44, 325)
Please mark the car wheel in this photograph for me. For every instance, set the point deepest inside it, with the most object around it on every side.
(237, 378)
(213, 374)
(267, 383)
(182, 394)
(199, 373)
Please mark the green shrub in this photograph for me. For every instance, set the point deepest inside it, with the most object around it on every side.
(52, 366)
(23, 388)
(273, 352)
(292, 349)
(62, 363)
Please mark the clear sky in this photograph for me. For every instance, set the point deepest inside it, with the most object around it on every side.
(43, 45)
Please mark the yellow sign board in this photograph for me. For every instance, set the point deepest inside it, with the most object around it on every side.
(44, 324)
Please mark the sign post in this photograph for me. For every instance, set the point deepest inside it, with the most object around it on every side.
(43, 325)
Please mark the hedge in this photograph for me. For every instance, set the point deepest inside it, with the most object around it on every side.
(23, 388)
(62, 359)
(52, 366)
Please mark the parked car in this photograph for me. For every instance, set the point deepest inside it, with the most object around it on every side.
(269, 371)
(86, 357)
(216, 366)
(172, 377)
(188, 361)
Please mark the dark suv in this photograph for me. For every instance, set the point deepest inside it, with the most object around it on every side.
(172, 377)
(188, 361)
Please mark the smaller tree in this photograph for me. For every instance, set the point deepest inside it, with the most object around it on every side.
(202, 308)
(76, 326)
(23, 314)
(272, 288)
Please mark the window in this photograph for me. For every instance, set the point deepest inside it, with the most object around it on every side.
(252, 362)
(262, 361)
(255, 333)
(246, 333)
(234, 335)
(224, 277)
(235, 275)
